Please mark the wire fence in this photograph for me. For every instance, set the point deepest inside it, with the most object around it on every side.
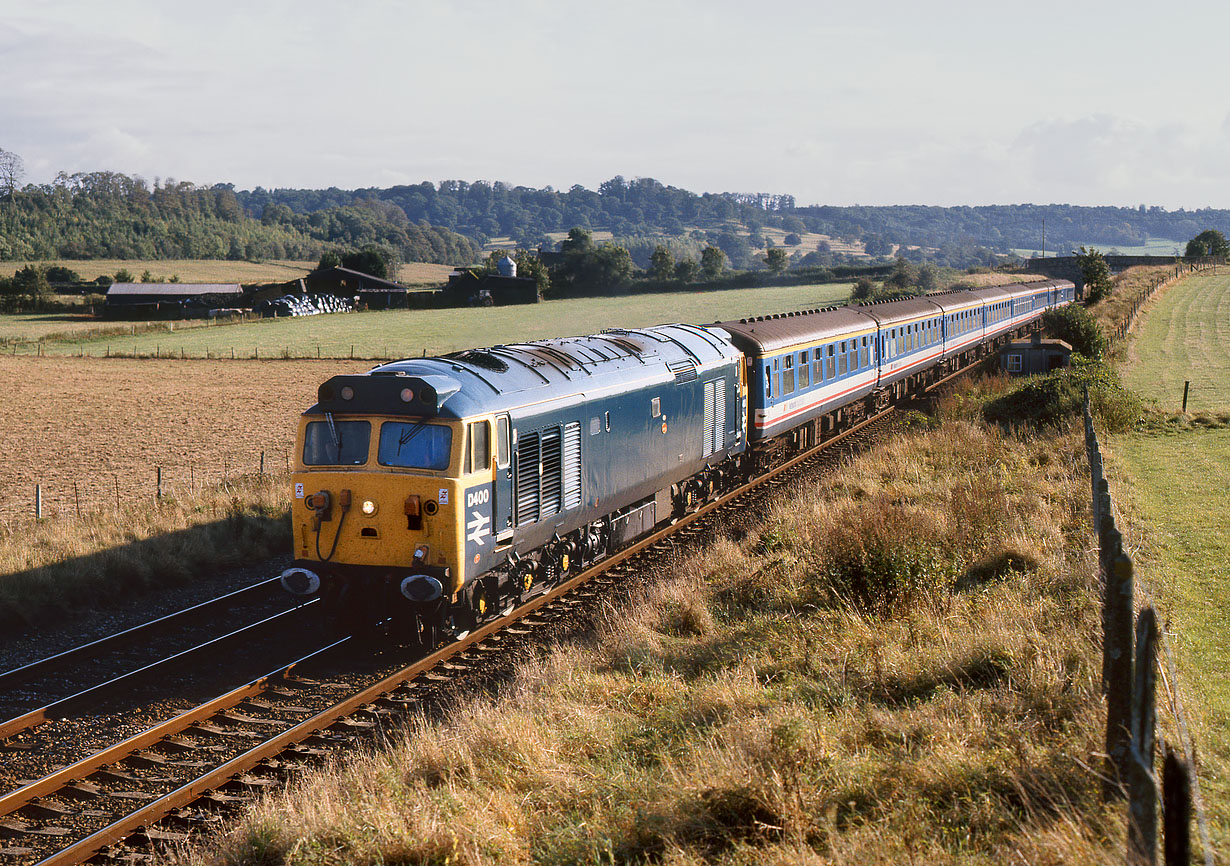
(1130, 666)
(92, 492)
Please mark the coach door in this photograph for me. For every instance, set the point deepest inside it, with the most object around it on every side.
(502, 508)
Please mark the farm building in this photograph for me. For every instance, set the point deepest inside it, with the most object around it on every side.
(1035, 355)
(168, 300)
(372, 292)
(467, 288)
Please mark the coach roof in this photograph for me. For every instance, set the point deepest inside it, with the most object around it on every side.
(767, 334)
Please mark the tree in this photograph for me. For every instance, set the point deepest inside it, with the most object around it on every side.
(1096, 274)
(712, 262)
(864, 289)
(12, 169)
(928, 278)
(904, 275)
(661, 264)
(687, 270)
(1209, 242)
(777, 260)
(792, 240)
(1073, 324)
(329, 259)
(579, 240)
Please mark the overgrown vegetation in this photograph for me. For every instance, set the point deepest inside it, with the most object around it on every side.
(1057, 398)
(745, 711)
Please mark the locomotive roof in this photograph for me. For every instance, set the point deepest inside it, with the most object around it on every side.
(476, 381)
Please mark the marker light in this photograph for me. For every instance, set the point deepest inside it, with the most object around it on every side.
(347, 392)
(368, 507)
(407, 395)
(420, 553)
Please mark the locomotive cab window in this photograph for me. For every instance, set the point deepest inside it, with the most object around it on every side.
(336, 443)
(415, 445)
(655, 407)
(478, 455)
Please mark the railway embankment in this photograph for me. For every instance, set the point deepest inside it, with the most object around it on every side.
(897, 661)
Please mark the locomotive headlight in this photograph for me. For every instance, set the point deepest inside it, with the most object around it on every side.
(407, 395)
(347, 392)
(368, 507)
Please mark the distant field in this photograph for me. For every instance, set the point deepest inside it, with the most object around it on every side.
(1154, 247)
(214, 271)
(1185, 336)
(404, 333)
(1182, 487)
(108, 424)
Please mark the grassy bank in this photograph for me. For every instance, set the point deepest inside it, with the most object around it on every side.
(897, 665)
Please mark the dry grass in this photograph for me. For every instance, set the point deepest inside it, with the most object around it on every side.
(63, 565)
(1129, 286)
(221, 270)
(84, 427)
(742, 712)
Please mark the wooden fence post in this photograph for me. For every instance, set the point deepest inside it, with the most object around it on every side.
(1186, 386)
(1117, 650)
(1176, 809)
(159, 482)
(38, 501)
(1142, 788)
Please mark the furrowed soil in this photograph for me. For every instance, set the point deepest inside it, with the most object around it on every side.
(83, 428)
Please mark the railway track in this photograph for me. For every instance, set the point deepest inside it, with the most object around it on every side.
(174, 777)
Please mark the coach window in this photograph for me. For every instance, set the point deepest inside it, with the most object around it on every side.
(832, 365)
(817, 366)
(788, 375)
(501, 442)
(804, 381)
(768, 382)
(841, 360)
(478, 457)
(866, 353)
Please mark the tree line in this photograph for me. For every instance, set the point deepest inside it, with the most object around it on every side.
(110, 215)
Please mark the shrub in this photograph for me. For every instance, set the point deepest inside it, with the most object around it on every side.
(1060, 395)
(1075, 326)
(882, 558)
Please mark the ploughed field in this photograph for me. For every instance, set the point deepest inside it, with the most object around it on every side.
(107, 423)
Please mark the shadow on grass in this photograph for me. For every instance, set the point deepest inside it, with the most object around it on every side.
(112, 577)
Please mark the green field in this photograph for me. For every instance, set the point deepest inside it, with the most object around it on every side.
(1178, 482)
(1185, 336)
(405, 333)
(1181, 486)
(1152, 247)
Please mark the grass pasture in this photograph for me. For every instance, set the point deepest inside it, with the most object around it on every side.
(406, 333)
(221, 270)
(1180, 489)
(1184, 336)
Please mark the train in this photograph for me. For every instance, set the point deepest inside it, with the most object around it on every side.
(433, 493)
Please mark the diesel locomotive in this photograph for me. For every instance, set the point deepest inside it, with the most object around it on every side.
(432, 493)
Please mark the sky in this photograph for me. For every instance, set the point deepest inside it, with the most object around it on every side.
(875, 102)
